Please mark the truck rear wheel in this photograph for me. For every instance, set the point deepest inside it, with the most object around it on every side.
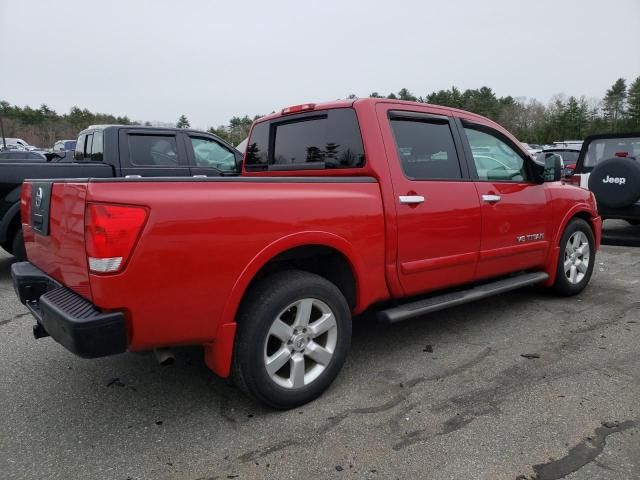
(577, 258)
(294, 331)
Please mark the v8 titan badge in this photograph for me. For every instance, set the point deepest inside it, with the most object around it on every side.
(532, 237)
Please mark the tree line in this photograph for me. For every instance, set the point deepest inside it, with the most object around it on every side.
(42, 126)
(563, 118)
(531, 121)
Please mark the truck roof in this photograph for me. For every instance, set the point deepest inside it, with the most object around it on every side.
(142, 127)
(350, 102)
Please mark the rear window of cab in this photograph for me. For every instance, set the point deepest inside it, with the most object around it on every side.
(327, 139)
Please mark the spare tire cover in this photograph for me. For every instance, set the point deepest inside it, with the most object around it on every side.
(616, 182)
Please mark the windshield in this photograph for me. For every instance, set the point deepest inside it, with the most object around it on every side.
(605, 148)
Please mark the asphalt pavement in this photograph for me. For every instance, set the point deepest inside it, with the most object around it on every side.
(524, 385)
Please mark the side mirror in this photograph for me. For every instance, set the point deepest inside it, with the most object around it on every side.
(553, 168)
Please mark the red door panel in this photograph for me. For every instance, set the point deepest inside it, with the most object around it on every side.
(439, 239)
(437, 215)
(515, 231)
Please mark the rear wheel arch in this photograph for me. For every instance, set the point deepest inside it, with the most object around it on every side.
(327, 262)
(294, 249)
(279, 250)
(333, 247)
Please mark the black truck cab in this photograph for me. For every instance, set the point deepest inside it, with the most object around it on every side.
(104, 151)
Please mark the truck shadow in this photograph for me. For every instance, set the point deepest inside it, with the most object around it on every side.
(620, 233)
(142, 392)
(5, 267)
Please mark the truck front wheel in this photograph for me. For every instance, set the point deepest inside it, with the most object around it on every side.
(577, 258)
(294, 332)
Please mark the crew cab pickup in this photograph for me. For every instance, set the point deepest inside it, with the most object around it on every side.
(340, 207)
(105, 151)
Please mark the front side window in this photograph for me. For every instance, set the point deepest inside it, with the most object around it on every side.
(153, 150)
(494, 159)
(426, 150)
(327, 140)
(209, 153)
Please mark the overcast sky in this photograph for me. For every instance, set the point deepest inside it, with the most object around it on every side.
(210, 60)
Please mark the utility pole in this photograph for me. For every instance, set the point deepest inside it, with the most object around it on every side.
(4, 141)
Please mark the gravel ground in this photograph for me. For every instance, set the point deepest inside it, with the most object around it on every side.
(524, 385)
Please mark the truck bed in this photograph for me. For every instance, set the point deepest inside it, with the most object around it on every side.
(203, 240)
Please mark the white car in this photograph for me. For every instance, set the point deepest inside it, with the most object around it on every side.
(532, 151)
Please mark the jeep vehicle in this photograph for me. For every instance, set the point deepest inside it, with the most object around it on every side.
(106, 151)
(340, 207)
(609, 166)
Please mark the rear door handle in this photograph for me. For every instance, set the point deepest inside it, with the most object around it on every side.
(491, 198)
(411, 199)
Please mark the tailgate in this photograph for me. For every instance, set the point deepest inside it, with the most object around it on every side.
(53, 223)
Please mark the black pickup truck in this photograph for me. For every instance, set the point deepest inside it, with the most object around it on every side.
(105, 151)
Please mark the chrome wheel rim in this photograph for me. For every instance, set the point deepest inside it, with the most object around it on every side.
(300, 344)
(577, 255)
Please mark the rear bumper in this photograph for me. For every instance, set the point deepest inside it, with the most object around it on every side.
(70, 319)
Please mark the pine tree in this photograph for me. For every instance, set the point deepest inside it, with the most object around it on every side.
(634, 104)
(614, 102)
(405, 94)
(183, 122)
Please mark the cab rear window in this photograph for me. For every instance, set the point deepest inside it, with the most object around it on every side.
(327, 139)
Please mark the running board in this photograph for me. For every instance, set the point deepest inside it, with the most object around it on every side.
(446, 300)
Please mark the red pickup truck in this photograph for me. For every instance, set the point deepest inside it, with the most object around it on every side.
(403, 207)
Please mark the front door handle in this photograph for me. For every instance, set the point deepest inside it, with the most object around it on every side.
(491, 198)
(411, 199)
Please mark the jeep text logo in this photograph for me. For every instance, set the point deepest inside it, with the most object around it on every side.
(616, 180)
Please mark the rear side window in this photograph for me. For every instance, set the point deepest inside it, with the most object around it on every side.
(153, 150)
(79, 150)
(327, 140)
(96, 147)
(426, 150)
(83, 147)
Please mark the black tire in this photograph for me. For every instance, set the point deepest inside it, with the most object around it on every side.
(17, 247)
(267, 302)
(616, 182)
(563, 285)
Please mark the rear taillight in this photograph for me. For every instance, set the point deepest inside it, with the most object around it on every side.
(111, 232)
